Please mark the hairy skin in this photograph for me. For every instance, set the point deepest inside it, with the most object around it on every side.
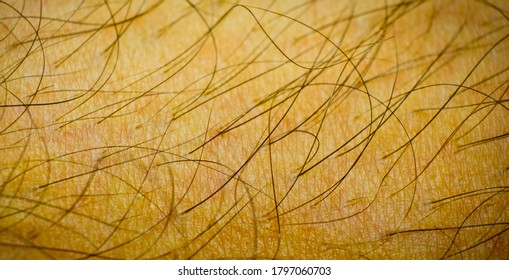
(212, 129)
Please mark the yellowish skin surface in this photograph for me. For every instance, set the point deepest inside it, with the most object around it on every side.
(286, 130)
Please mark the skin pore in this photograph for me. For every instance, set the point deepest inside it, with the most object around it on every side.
(257, 130)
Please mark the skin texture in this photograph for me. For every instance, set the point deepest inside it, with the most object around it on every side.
(213, 129)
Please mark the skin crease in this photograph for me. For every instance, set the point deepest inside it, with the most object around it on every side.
(285, 130)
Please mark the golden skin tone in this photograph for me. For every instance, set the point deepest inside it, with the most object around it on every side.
(211, 130)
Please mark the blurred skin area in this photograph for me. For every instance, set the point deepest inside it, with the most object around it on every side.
(258, 130)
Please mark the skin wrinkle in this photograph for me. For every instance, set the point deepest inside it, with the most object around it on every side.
(246, 130)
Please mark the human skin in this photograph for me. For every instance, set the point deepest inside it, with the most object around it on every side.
(263, 130)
